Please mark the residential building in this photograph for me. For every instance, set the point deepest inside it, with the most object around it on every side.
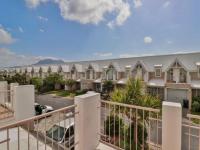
(174, 77)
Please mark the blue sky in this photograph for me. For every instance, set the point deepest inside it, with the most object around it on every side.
(96, 29)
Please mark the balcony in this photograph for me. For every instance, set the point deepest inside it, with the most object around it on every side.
(102, 124)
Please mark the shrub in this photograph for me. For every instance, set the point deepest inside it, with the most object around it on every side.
(196, 104)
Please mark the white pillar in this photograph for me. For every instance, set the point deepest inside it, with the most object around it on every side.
(24, 98)
(3, 92)
(171, 126)
(87, 121)
(12, 85)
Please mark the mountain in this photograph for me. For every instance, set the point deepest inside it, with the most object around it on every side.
(49, 61)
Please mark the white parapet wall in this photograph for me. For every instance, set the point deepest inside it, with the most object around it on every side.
(12, 85)
(3, 92)
(171, 126)
(24, 98)
(87, 121)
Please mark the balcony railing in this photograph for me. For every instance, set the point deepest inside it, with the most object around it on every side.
(191, 133)
(54, 130)
(129, 127)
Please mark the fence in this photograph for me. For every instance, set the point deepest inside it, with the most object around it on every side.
(54, 130)
(130, 127)
(191, 133)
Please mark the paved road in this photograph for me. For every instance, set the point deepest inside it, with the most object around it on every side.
(56, 102)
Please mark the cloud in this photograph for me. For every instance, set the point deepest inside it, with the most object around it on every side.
(9, 58)
(5, 36)
(169, 42)
(21, 29)
(103, 54)
(148, 40)
(34, 3)
(137, 3)
(41, 30)
(127, 55)
(90, 11)
(166, 4)
(42, 18)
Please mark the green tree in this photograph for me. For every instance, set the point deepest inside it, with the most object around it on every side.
(38, 82)
(108, 86)
(132, 94)
(19, 78)
(70, 83)
(52, 81)
(195, 105)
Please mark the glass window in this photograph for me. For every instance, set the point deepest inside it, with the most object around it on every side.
(199, 71)
(158, 72)
(57, 132)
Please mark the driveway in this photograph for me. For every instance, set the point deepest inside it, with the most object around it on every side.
(56, 102)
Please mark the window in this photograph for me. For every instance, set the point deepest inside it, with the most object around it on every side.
(128, 73)
(199, 71)
(158, 72)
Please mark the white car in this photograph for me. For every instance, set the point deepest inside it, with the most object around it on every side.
(41, 109)
(62, 133)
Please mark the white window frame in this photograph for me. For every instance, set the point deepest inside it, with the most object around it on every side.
(158, 75)
(198, 71)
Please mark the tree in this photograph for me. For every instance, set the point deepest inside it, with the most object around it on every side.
(132, 94)
(38, 82)
(52, 81)
(70, 83)
(196, 104)
(108, 86)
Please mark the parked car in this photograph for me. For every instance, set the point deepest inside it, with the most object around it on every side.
(41, 109)
(62, 133)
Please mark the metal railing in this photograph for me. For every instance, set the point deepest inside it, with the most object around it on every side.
(191, 132)
(130, 127)
(53, 130)
(6, 104)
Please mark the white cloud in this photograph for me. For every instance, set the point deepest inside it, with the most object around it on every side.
(21, 29)
(103, 54)
(9, 58)
(41, 30)
(90, 11)
(148, 40)
(166, 4)
(5, 36)
(137, 3)
(34, 3)
(169, 42)
(43, 18)
(127, 55)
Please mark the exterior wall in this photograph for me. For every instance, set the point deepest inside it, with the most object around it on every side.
(157, 91)
(152, 76)
(98, 75)
(87, 84)
(195, 92)
(120, 75)
(194, 76)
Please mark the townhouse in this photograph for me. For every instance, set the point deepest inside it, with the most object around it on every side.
(174, 77)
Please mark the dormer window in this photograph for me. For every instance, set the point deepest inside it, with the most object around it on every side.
(158, 70)
(198, 68)
(128, 71)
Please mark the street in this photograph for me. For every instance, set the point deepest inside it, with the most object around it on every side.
(56, 102)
